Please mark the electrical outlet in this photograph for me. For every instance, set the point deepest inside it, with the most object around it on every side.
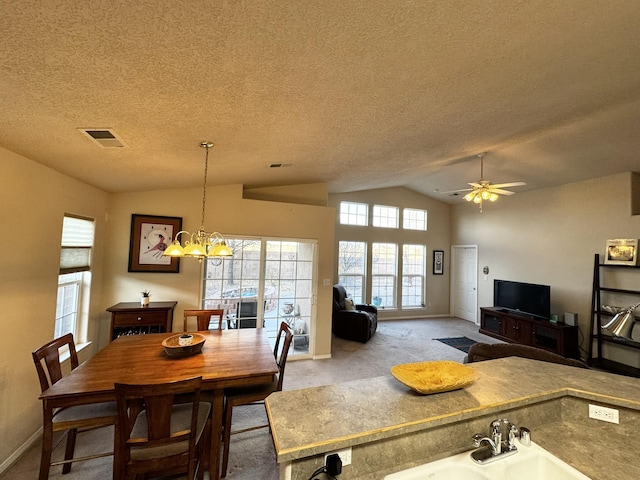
(603, 413)
(345, 456)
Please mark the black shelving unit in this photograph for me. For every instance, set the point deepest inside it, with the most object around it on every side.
(597, 358)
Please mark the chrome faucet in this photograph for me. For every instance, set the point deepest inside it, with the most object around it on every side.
(496, 435)
(478, 439)
(513, 433)
(497, 448)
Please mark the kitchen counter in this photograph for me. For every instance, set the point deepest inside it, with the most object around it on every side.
(389, 427)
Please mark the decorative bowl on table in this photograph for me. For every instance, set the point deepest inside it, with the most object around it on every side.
(434, 377)
(175, 346)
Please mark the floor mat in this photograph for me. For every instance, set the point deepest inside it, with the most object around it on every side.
(461, 343)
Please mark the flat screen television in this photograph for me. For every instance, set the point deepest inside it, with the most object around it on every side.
(525, 298)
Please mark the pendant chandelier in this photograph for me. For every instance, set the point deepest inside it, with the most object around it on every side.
(200, 244)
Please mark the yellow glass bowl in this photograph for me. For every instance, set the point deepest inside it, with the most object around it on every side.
(434, 377)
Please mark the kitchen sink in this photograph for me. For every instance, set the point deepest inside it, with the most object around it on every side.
(529, 463)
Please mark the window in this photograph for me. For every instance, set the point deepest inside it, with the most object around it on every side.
(74, 279)
(352, 257)
(413, 275)
(383, 273)
(390, 273)
(385, 217)
(354, 214)
(413, 219)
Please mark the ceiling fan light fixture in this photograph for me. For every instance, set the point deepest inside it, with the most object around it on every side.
(484, 190)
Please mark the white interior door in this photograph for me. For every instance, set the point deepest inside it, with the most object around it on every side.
(464, 282)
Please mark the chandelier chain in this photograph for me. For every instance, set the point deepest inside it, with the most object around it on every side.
(200, 244)
(206, 146)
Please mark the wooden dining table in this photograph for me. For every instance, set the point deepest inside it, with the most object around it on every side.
(229, 358)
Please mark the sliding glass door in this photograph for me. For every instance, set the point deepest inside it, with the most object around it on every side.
(266, 282)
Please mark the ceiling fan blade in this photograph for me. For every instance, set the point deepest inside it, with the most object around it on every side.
(512, 184)
(499, 191)
(457, 191)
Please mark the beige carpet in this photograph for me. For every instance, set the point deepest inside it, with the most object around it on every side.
(252, 456)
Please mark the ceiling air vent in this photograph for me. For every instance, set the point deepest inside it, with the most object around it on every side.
(104, 137)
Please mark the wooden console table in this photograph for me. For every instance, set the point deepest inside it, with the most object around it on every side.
(130, 318)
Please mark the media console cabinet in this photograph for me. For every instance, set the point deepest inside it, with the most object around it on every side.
(515, 328)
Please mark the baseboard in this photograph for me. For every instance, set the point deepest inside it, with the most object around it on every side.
(413, 317)
(322, 357)
(13, 458)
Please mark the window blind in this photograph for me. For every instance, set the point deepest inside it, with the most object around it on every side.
(77, 241)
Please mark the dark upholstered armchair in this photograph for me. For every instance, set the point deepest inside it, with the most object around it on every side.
(359, 324)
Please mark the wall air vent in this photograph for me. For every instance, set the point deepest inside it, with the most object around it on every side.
(104, 137)
(280, 165)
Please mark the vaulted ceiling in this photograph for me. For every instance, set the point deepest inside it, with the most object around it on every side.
(358, 94)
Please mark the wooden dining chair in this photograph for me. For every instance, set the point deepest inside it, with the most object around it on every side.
(237, 396)
(204, 318)
(158, 436)
(73, 420)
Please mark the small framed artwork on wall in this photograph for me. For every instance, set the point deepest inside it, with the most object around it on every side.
(438, 262)
(150, 236)
(621, 251)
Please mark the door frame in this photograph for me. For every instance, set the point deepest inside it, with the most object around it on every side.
(453, 270)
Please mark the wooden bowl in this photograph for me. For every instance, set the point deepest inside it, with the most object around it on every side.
(173, 348)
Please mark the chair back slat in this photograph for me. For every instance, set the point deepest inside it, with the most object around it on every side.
(47, 360)
(148, 420)
(203, 318)
(281, 354)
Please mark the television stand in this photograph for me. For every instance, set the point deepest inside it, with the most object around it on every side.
(512, 327)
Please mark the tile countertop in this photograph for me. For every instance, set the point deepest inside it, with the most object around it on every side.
(367, 410)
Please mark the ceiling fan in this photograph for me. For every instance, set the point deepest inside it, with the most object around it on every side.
(485, 190)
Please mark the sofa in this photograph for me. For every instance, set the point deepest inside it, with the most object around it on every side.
(356, 322)
(485, 351)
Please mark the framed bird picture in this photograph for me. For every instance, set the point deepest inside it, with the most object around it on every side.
(150, 236)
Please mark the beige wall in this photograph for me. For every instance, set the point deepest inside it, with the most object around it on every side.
(228, 212)
(33, 201)
(550, 236)
(437, 237)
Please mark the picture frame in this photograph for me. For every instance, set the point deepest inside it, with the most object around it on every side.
(438, 262)
(622, 251)
(150, 236)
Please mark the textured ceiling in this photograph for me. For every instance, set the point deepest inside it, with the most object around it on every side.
(358, 94)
